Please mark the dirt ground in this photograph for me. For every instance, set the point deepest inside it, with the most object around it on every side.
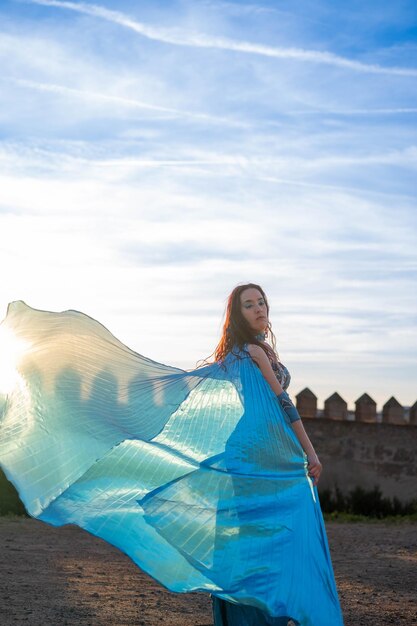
(65, 576)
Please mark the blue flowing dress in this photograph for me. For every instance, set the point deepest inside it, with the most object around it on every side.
(230, 614)
(197, 475)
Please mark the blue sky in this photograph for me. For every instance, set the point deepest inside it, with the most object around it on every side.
(155, 154)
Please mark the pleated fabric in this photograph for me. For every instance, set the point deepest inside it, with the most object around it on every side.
(196, 475)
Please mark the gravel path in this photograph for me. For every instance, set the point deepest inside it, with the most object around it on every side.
(65, 576)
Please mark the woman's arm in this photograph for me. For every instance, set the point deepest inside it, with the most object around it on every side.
(314, 465)
(259, 356)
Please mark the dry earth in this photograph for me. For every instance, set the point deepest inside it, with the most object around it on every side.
(65, 576)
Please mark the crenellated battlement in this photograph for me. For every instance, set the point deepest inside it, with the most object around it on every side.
(336, 408)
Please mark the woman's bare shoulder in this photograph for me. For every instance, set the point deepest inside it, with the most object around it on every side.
(253, 347)
(261, 354)
(256, 351)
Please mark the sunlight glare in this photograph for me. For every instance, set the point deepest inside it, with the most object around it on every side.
(11, 352)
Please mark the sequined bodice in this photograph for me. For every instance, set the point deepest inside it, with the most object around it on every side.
(282, 373)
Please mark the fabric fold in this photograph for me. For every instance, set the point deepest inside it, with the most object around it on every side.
(197, 475)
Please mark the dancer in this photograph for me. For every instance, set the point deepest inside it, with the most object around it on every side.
(247, 326)
(205, 478)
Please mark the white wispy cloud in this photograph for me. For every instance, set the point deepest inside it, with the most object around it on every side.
(348, 112)
(92, 96)
(241, 9)
(200, 40)
(140, 188)
(281, 170)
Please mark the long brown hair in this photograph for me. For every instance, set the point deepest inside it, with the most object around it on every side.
(236, 330)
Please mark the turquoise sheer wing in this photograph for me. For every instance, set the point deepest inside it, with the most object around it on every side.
(196, 475)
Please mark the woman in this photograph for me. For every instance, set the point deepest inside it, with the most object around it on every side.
(202, 477)
(247, 326)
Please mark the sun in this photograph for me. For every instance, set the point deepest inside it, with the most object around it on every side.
(11, 353)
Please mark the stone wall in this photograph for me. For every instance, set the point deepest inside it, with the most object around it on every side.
(367, 454)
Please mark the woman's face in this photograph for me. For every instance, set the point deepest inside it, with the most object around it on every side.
(253, 307)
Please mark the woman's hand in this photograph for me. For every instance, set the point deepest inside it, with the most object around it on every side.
(314, 467)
